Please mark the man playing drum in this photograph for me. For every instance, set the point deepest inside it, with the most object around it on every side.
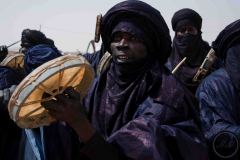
(135, 109)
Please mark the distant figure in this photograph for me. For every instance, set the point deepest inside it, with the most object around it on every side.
(10, 133)
(31, 38)
(135, 109)
(187, 43)
(219, 97)
(54, 142)
(3, 52)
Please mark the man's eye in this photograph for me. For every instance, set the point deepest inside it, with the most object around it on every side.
(117, 38)
(182, 30)
(134, 38)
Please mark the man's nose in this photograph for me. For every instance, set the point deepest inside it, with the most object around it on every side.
(123, 42)
(187, 31)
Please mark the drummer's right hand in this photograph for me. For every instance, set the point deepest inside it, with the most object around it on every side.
(66, 107)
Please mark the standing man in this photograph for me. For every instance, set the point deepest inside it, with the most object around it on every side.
(188, 43)
(135, 109)
(219, 97)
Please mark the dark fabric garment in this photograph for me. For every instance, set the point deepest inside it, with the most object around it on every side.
(194, 60)
(229, 36)
(232, 65)
(10, 134)
(191, 46)
(219, 97)
(152, 118)
(31, 38)
(153, 25)
(186, 14)
(61, 142)
(219, 110)
(39, 54)
(8, 77)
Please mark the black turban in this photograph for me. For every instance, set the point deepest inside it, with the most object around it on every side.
(229, 36)
(147, 18)
(186, 16)
(33, 37)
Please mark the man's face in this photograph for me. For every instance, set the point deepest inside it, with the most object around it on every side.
(126, 48)
(187, 29)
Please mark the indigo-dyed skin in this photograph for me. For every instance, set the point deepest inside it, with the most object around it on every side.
(126, 48)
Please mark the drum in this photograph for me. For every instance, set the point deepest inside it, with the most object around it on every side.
(49, 79)
(14, 60)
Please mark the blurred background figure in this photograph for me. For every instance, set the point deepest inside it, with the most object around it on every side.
(219, 97)
(188, 43)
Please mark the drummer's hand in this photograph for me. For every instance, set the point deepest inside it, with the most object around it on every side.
(67, 107)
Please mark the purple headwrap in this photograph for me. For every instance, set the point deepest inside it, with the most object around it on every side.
(186, 16)
(146, 18)
(8, 77)
(229, 36)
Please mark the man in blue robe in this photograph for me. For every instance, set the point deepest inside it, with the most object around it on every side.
(54, 142)
(135, 109)
(219, 97)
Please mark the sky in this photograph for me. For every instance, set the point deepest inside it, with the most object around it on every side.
(71, 23)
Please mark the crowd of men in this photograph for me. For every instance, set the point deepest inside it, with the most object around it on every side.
(136, 108)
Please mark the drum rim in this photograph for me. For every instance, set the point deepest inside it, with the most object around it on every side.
(9, 58)
(38, 72)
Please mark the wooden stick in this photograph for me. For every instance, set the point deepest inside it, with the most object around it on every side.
(13, 43)
(178, 65)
